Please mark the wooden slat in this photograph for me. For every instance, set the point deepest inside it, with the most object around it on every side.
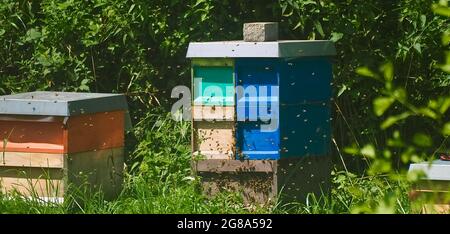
(211, 155)
(31, 118)
(16, 159)
(436, 209)
(432, 185)
(213, 62)
(218, 113)
(32, 172)
(32, 181)
(214, 138)
(99, 169)
(218, 165)
(32, 187)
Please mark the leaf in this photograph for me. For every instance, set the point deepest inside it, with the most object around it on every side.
(427, 112)
(365, 71)
(14, 25)
(381, 104)
(336, 36)
(368, 151)
(418, 47)
(283, 8)
(289, 14)
(446, 67)
(446, 129)
(46, 72)
(32, 35)
(422, 140)
(2, 32)
(446, 38)
(395, 143)
(199, 2)
(131, 8)
(297, 25)
(441, 10)
(353, 150)
(380, 166)
(319, 28)
(400, 94)
(388, 71)
(342, 90)
(309, 2)
(445, 105)
(394, 119)
(387, 154)
(63, 6)
(423, 20)
(84, 88)
(85, 81)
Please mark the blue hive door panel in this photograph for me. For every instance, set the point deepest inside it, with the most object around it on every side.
(257, 91)
(305, 79)
(257, 95)
(266, 109)
(305, 130)
(256, 143)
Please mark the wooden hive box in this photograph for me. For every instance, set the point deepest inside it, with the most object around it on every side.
(55, 141)
(282, 116)
(434, 188)
(213, 111)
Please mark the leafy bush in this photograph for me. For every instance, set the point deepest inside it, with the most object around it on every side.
(138, 47)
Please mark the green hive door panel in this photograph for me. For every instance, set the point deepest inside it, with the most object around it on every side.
(213, 85)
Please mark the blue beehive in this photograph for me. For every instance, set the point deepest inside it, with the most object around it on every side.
(283, 94)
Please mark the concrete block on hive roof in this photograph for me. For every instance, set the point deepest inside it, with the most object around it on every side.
(260, 31)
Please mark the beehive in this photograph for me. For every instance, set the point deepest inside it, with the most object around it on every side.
(434, 187)
(284, 81)
(277, 98)
(56, 140)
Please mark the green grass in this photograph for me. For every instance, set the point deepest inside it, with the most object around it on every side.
(159, 181)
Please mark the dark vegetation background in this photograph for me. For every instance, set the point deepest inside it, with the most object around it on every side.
(138, 47)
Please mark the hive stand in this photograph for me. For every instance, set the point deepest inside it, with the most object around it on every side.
(266, 181)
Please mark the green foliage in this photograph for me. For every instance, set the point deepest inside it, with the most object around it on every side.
(420, 143)
(138, 47)
(133, 46)
(406, 115)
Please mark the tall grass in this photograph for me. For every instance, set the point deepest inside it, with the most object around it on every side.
(159, 180)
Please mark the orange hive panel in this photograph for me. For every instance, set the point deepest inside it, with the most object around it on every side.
(33, 137)
(95, 132)
(81, 133)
